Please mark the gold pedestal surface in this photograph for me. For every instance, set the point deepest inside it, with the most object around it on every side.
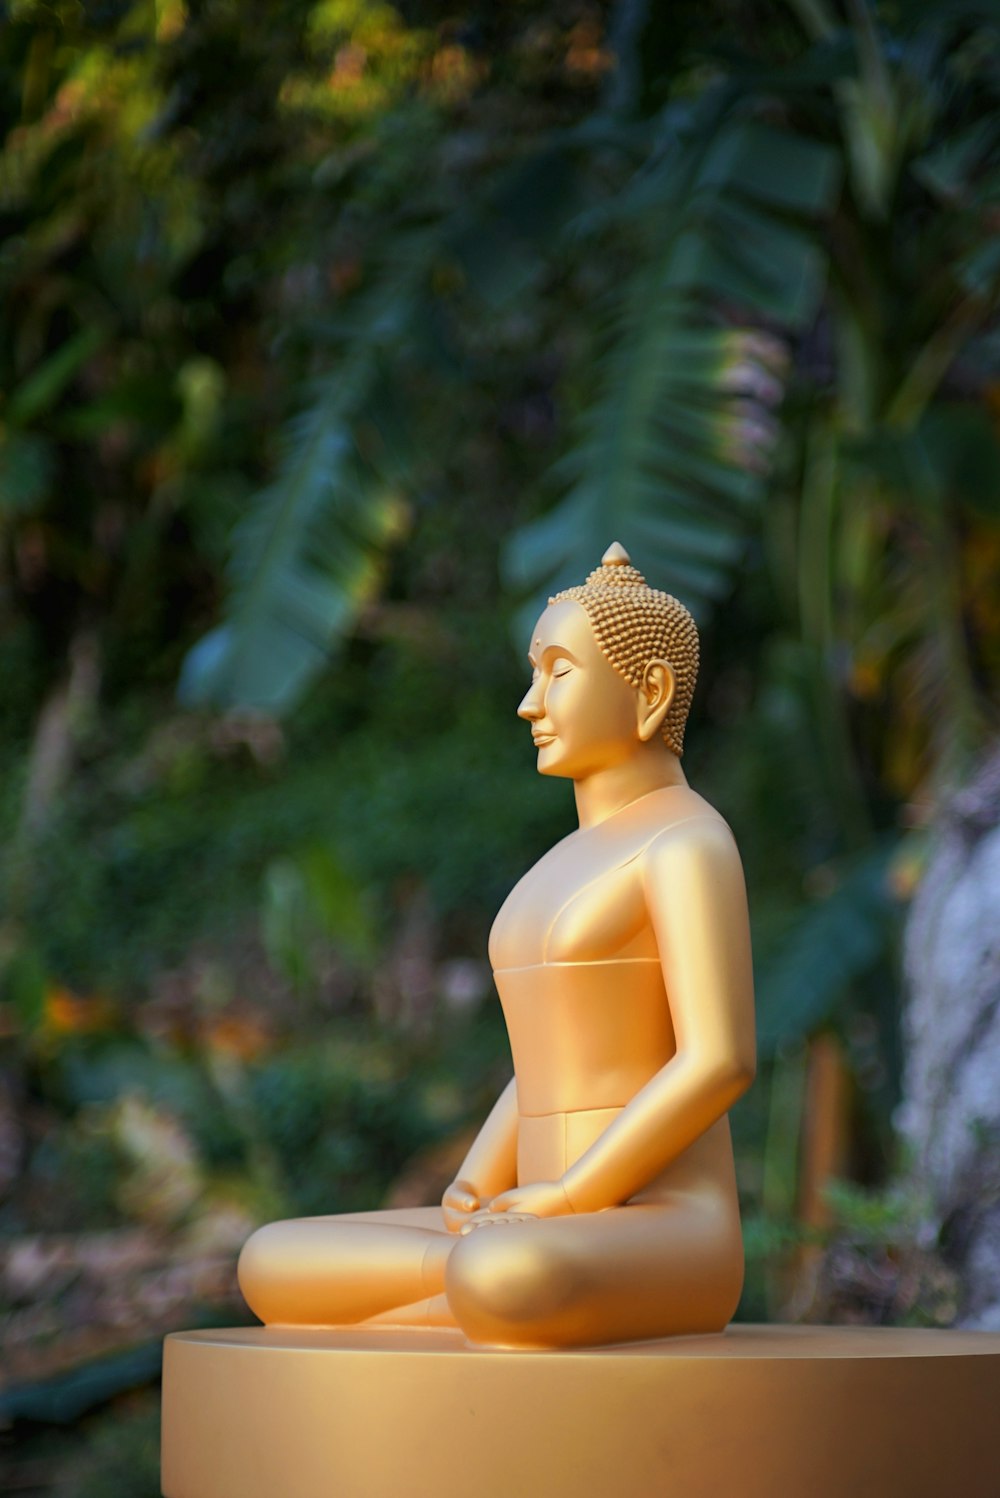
(756, 1412)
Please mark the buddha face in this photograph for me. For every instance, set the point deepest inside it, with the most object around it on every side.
(584, 716)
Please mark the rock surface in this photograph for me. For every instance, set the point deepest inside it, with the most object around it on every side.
(951, 1109)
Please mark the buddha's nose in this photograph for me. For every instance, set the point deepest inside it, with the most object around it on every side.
(531, 704)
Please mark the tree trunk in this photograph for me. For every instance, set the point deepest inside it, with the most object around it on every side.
(951, 1109)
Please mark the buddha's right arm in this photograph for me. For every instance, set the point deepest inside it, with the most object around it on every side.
(491, 1164)
(697, 905)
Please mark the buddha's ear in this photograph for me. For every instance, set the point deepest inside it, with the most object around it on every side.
(655, 696)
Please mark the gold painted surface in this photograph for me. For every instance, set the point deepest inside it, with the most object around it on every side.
(798, 1412)
(584, 1036)
(598, 1203)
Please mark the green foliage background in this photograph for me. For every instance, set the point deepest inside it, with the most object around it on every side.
(335, 336)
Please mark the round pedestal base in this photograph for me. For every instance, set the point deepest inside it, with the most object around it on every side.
(758, 1412)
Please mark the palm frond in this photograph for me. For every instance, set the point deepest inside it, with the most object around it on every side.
(831, 944)
(308, 554)
(671, 456)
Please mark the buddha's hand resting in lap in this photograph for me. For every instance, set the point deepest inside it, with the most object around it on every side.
(459, 1201)
(523, 1204)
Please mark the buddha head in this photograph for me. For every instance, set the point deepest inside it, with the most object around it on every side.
(614, 668)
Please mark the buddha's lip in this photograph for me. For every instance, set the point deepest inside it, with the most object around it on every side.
(542, 738)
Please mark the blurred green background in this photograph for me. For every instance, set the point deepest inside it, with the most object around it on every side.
(335, 336)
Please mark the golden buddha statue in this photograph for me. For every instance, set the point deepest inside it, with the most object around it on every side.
(598, 1202)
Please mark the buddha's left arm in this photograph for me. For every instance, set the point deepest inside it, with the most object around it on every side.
(696, 897)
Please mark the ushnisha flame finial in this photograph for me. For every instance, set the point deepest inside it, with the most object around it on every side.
(616, 556)
(634, 625)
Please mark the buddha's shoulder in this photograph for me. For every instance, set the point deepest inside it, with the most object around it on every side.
(673, 815)
(677, 818)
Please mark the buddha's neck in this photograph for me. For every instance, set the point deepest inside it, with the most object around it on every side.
(651, 768)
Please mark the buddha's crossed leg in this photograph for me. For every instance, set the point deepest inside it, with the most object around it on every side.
(335, 1271)
(630, 1273)
(633, 1272)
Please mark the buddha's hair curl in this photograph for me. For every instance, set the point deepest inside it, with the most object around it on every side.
(634, 625)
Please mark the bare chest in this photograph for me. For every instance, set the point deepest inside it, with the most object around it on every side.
(583, 902)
